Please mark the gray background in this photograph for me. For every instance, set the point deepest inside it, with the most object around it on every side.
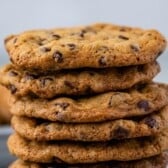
(19, 15)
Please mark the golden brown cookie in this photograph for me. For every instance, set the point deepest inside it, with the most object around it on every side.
(5, 115)
(97, 46)
(160, 161)
(87, 152)
(42, 130)
(75, 82)
(138, 101)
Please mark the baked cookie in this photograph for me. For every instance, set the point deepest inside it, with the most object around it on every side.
(87, 152)
(41, 130)
(5, 115)
(138, 101)
(97, 46)
(75, 82)
(160, 161)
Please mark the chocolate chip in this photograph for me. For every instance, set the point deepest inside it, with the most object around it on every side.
(63, 105)
(56, 36)
(45, 49)
(71, 46)
(69, 84)
(58, 57)
(30, 76)
(11, 59)
(12, 88)
(13, 73)
(123, 37)
(102, 61)
(120, 133)
(135, 47)
(91, 73)
(143, 104)
(82, 33)
(44, 81)
(15, 40)
(151, 122)
(40, 43)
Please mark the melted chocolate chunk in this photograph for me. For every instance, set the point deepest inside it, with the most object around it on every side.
(69, 84)
(123, 37)
(31, 76)
(12, 88)
(102, 61)
(120, 133)
(62, 105)
(15, 40)
(143, 104)
(151, 122)
(11, 59)
(135, 47)
(58, 57)
(91, 73)
(13, 73)
(71, 46)
(45, 49)
(56, 36)
(82, 33)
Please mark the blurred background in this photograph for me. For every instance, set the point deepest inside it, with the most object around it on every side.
(19, 15)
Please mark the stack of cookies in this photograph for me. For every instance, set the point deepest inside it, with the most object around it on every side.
(84, 97)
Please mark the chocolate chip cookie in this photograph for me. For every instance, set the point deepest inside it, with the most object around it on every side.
(138, 101)
(5, 115)
(159, 161)
(41, 130)
(75, 82)
(97, 46)
(87, 152)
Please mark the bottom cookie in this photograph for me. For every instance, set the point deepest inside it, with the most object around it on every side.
(82, 152)
(160, 161)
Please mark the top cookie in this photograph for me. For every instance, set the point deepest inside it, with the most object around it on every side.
(96, 46)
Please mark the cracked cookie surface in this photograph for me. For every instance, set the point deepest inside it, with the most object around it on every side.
(97, 46)
(75, 82)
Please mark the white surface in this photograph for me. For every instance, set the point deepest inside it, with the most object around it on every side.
(19, 15)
